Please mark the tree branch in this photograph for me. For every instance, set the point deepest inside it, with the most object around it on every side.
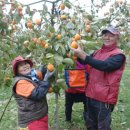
(43, 1)
(38, 2)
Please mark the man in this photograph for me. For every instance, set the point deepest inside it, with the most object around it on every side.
(107, 65)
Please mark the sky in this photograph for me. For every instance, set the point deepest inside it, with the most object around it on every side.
(39, 5)
(84, 3)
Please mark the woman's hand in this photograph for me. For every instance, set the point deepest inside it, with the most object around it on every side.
(49, 74)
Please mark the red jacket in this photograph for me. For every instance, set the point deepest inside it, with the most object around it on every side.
(79, 90)
(106, 87)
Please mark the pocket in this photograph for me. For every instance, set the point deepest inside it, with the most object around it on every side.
(76, 78)
(101, 91)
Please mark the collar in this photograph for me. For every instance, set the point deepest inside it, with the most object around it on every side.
(108, 47)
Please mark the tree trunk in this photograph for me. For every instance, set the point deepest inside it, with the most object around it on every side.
(56, 111)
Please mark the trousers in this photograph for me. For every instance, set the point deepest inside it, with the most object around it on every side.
(98, 115)
(70, 99)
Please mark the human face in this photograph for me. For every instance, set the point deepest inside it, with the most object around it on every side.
(24, 68)
(110, 38)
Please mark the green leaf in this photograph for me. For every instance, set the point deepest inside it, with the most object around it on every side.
(58, 59)
(49, 55)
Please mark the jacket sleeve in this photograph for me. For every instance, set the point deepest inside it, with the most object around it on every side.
(24, 88)
(43, 70)
(39, 92)
(28, 90)
(108, 65)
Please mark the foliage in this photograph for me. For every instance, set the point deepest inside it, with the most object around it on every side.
(47, 40)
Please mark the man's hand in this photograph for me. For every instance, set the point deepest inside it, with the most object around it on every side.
(48, 75)
(79, 53)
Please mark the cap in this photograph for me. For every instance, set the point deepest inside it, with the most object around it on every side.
(112, 30)
(17, 60)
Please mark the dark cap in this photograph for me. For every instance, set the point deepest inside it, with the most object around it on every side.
(112, 30)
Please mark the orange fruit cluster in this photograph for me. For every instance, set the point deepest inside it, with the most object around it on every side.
(40, 42)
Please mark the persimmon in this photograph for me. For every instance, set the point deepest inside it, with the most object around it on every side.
(46, 45)
(59, 36)
(62, 6)
(74, 45)
(63, 17)
(38, 21)
(50, 67)
(20, 8)
(77, 37)
(35, 40)
(39, 75)
(87, 28)
(29, 25)
(43, 44)
(13, 22)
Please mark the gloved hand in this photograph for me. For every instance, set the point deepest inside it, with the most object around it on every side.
(48, 75)
(43, 70)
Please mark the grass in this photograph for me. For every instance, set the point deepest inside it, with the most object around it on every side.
(120, 116)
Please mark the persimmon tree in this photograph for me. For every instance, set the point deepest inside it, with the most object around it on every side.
(46, 40)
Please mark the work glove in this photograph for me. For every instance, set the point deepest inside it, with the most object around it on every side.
(48, 75)
(43, 70)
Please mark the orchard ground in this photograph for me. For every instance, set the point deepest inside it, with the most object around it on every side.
(120, 116)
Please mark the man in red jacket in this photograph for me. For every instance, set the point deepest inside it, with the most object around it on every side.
(107, 65)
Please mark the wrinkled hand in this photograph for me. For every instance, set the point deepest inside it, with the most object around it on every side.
(79, 52)
(48, 75)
